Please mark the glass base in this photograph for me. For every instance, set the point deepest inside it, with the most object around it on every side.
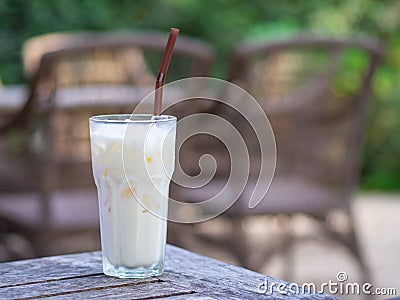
(153, 270)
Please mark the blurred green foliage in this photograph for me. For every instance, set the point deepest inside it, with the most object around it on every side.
(224, 23)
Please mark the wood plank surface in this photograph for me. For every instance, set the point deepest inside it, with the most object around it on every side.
(217, 279)
(50, 269)
(187, 276)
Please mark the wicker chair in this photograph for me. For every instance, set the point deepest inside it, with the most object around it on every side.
(48, 191)
(314, 92)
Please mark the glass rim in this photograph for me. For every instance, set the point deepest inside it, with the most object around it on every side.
(131, 118)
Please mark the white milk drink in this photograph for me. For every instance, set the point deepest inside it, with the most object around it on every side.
(133, 161)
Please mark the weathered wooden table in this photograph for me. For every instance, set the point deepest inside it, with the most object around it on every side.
(187, 276)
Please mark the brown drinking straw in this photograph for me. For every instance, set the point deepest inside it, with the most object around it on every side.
(163, 70)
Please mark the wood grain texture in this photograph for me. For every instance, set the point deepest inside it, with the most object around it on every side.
(217, 279)
(50, 268)
(187, 276)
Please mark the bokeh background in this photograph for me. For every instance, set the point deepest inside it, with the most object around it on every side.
(224, 23)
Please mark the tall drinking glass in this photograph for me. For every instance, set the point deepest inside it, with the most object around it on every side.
(133, 161)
